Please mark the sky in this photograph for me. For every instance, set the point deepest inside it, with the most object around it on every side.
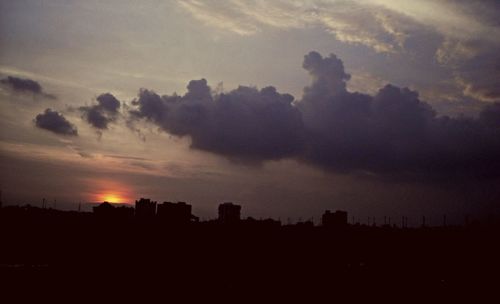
(288, 108)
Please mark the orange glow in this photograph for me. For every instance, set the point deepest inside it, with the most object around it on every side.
(112, 191)
(112, 198)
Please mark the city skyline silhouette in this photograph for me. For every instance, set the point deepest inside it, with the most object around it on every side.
(243, 147)
(177, 252)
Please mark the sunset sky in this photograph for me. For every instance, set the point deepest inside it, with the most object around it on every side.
(288, 108)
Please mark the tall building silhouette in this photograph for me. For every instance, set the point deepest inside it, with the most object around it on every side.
(229, 212)
(145, 208)
(334, 219)
(175, 213)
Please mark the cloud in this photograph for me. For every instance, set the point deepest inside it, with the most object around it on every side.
(55, 122)
(243, 124)
(490, 115)
(470, 47)
(475, 65)
(364, 23)
(80, 151)
(383, 25)
(456, 19)
(353, 131)
(391, 132)
(463, 35)
(480, 78)
(24, 85)
(104, 112)
(85, 154)
(127, 157)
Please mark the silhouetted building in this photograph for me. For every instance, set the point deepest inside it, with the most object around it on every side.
(109, 211)
(175, 213)
(335, 219)
(250, 222)
(229, 212)
(145, 208)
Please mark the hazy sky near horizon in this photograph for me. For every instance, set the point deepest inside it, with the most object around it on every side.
(309, 143)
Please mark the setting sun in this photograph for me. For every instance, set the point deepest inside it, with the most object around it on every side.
(112, 191)
(112, 198)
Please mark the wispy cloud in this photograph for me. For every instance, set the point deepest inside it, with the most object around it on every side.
(468, 31)
(348, 21)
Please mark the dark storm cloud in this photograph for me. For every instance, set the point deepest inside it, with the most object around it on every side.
(108, 102)
(104, 112)
(23, 85)
(55, 122)
(392, 132)
(245, 124)
(490, 116)
(353, 131)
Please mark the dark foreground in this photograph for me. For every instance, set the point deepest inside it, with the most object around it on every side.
(78, 254)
